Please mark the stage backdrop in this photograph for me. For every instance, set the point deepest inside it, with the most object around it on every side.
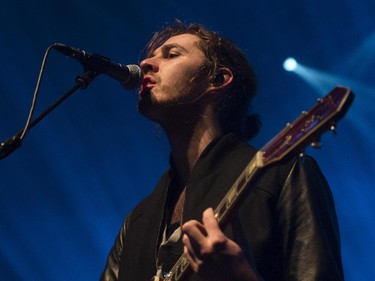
(67, 189)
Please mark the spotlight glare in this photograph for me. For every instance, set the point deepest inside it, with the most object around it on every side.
(290, 64)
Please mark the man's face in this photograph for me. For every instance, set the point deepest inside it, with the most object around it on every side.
(171, 80)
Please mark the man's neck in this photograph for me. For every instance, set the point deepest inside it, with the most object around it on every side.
(188, 141)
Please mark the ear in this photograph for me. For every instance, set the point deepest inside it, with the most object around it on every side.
(221, 79)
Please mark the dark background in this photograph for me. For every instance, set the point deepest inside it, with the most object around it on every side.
(65, 192)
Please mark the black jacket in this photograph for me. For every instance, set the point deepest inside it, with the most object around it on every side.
(288, 222)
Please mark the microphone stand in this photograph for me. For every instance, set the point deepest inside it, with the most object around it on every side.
(11, 144)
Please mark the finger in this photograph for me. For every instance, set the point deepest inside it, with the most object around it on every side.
(216, 237)
(189, 249)
(194, 230)
(192, 253)
(210, 223)
(193, 261)
(193, 238)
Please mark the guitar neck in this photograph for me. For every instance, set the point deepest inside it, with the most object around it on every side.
(238, 190)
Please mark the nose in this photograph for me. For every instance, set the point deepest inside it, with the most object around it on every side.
(149, 65)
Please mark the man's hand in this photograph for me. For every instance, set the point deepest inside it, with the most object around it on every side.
(211, 254)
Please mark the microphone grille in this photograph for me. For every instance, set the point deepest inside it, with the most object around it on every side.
(135, 77)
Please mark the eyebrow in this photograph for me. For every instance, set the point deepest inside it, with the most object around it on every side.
(167, 47)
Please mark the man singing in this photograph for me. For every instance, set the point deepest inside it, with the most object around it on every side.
(198, 86)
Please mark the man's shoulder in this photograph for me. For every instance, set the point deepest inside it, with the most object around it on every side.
(273, 178)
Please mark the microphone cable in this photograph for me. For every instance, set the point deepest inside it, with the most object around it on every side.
(12, 143)
(36, 91)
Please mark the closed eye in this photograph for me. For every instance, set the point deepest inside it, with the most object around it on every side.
(172, 55)
(171, 51)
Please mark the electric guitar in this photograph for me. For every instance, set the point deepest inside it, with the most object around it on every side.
(292, 140)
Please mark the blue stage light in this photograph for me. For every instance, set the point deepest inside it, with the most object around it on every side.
(290, 64)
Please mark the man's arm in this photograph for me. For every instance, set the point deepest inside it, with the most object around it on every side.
(111, 270)
(309, 226)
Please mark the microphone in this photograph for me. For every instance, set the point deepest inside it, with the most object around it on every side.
(130, 76)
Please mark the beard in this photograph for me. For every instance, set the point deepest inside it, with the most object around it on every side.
(181, 108)
(181, 101)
